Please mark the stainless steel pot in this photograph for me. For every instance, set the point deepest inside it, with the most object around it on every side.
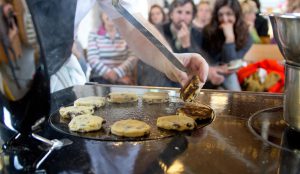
(286, 28)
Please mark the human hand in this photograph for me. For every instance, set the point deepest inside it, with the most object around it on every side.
(13, 31)
(216, 75)
(184, 36)
(228, 32)
(8, 10)
(111, 76)
(9, 14)
(250, 24)
(195, 64)
(125, 80)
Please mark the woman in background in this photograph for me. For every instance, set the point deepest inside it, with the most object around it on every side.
(203, 16)
(249, 12)
(109, 56)
(225, 39)
(157, 15)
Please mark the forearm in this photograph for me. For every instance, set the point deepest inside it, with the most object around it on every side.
(127, 67)
(229, 52)
(99, 68)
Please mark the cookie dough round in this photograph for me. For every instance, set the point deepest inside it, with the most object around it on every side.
(122, 97)
(175, 122)
(73, 111)
(94, 101)
(86, 123)
(130, 128)
(156, 97)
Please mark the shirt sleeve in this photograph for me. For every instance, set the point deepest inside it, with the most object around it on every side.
(93, 56)
(230, 53)
(127, 67)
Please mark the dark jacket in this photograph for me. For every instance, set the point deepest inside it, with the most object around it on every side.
(149, 76)
(261, 26)
(54, 21)
(227, 54)
(196, 36)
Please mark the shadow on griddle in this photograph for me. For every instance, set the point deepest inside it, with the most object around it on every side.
(173, 150)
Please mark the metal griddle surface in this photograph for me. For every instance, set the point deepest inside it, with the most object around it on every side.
(112, 112)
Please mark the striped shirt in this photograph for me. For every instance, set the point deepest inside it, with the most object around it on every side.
(105, 54)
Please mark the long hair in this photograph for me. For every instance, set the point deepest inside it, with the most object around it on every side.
(160, 9)
(257, 5)
(214, 36)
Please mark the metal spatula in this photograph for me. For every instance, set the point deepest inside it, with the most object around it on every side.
(170, 56)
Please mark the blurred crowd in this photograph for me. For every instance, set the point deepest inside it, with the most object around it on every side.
(222, 31)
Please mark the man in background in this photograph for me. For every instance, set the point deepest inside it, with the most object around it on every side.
(179, 32)
(180, 35)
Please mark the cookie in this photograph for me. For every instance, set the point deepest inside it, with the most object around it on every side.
(130, 128)
(86, 123)
(72, 111)
(200, 113)
(175, 122)
(156, 97)
(122, 97)
(94, 101)
(191, 89)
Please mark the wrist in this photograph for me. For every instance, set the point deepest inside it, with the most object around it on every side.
(186, 45)
(230, 39)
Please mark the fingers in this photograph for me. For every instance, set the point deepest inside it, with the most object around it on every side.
(183, 30)
(7, 8)
(224, 69)
(216, 79)
(196, 65)
(182, 77)
(216, 76)
(221, 26)
(184, 27)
